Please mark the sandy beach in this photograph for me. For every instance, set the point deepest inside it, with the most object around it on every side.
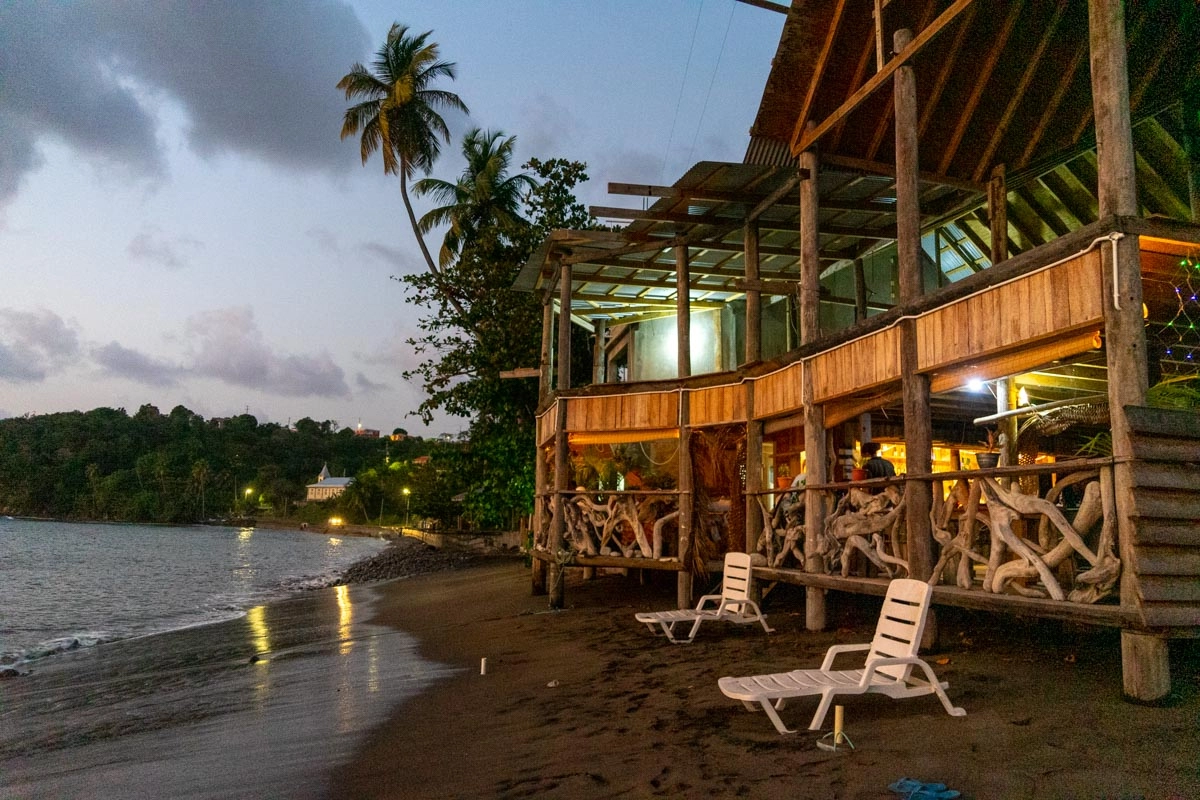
(586, 703)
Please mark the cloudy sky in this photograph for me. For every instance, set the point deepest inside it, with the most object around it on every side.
(180, 223)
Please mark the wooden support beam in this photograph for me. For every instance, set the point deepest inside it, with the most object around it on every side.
(879, 78)
(556, 577)
(1051, 109)
(815, 473)
(687, 503)
(564, 326)
(947, 69)
(1144, 662)
(753, 296)
(546, 358)
(600, 350)
(832, 162)
(754, 472)
(810, 261)
(540, 522)
(997, 209)
(683, 312)
(918, 432)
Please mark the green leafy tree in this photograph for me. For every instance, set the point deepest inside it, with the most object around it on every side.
(398, 114)
(490, 329)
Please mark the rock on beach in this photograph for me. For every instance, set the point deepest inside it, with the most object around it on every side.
(406, 557)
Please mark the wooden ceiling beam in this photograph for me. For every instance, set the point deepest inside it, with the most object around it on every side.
(860, 75)
(802, 143)
(882, 232)
(1018, 96)
(888, 110)
(889, 171)
(981, 78)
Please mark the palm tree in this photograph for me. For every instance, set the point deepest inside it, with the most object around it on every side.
(200, 476)
(485, 194)
(398, 114)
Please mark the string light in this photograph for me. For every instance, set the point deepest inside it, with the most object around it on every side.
(1180, 335)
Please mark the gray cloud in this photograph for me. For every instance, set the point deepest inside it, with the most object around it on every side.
(252, 78)
(121, 362)
(228, 345)
(34, 344)
(152, 245)
(394, 353)
(367, 386)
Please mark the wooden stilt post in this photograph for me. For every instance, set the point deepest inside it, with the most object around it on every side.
(564, 326)
(754, 470)
(562, 461)
(815, 452)
(558, 522)
(1144, 663)
(860, 291)
(918, 431)
(998, 214)
(683, 311)
(600, 350)
(753, 295)
(541, 491)
(545, 380)
(687, 502)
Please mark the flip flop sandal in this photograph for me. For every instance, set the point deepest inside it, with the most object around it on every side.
(916, 790)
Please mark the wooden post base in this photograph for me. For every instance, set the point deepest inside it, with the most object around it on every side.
(538, 577)
(557, 578)
(1145, 667)
(814, 609)
(684, 590)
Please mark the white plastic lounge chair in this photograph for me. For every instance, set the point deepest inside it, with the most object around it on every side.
(733, 604)
(892, 656)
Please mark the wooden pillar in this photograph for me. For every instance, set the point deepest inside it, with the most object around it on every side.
(558, 521)
(687, 504)
(541, 490)
(683, 311)
(860, 291)
(753, 295)
(1144, 664)
(815, 452)
(545, 379)
(997, 198)
(918, 429)
(754, 470)
(600, 351)
(564, 326)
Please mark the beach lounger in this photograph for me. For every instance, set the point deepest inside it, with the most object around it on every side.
(888, 669)
(733, 604)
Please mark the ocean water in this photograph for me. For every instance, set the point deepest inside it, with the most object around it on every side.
(219, 670)
(64, 586)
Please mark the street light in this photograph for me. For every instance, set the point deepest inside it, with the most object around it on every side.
(407, 500)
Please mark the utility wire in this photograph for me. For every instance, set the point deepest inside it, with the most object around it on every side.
(711, 82)
(679, 102)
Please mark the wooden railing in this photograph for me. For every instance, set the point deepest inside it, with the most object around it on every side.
(994, 531)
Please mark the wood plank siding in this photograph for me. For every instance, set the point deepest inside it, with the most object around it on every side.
(624, 412)
(779, 392)
(717, 405)
(861, 364)
(1045, 304)
(1166, 511)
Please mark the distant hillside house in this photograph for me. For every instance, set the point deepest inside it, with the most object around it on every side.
(326, 486)
(361, 431)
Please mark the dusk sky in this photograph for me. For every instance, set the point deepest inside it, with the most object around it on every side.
(180, 223)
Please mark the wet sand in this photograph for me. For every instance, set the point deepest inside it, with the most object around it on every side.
(586, 703)
(259, 707)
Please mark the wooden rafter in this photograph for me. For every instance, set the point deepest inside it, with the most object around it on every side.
(878, 79)
(948, 65)
(819, 69)
(1018, 95)
(888, 170)
(860, 75)
(887, 110)
(982, 77)
(1051, 110)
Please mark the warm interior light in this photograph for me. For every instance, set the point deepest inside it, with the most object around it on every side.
(1022, 397)
(974, 385)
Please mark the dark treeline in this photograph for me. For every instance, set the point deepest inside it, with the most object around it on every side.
(176, 467)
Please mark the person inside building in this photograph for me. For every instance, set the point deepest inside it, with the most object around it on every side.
(876, 465)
